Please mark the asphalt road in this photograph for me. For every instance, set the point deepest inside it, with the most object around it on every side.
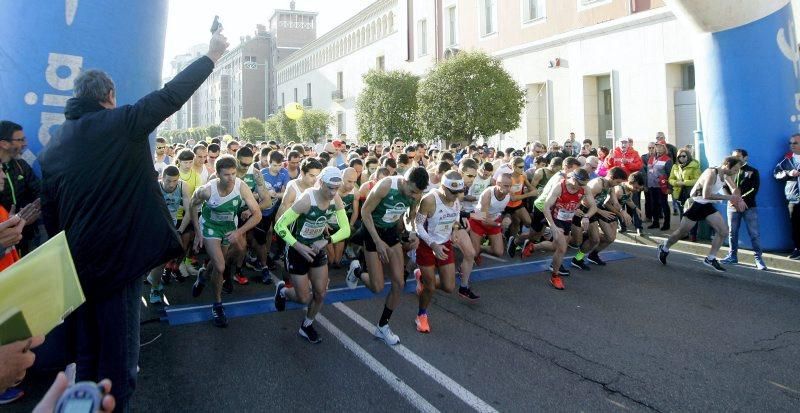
(634, 335)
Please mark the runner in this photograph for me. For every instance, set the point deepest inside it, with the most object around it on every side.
(486, 220)
(559, 209)
(213, 154)
(474, 186)
(382, 226)
(221, 200)
(160, 159)
(625, 192)
(521, 190)
(306, 260)
(438, 212)
(601, 191)
(309, 171)
(278, 177)
(347, 192)
(176, 196)
(700, 206)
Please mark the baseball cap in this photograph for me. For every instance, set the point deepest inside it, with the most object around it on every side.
(331, 176)
(338, 144)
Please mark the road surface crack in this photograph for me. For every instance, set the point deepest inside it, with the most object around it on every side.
(778, 335)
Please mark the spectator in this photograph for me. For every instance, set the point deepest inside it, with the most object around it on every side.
(23, 187)
(625, 157)
(602, 154)
(671, 149)
(128, 231)
(553, 151)
(747, 181)
(586, 149)
(659, 166)
(788, 171)
(648, 211)
(682, 177)
(160, 159)
(574, 148)
(591, 165)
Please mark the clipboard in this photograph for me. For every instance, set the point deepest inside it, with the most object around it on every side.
(39, 291)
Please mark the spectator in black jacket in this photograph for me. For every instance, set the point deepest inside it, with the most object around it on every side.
(788, 171)
(22, 186)
(117, 225)
(748, 182)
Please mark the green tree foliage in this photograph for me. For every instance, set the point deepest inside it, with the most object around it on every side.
(313, 124)
(251, 129)
(387, 106)
(287, 128)
(271, 126)
(214, 131)
(468, 96)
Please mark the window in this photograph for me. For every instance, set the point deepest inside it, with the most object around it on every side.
(340, 81)
(308, 90)
(451, 26)
(283, 99)
(380, 63)
(422, 37)
(250, 59)
(586, 4)
(687, 76)
(488, 16)
(532, 10)
(295, 94)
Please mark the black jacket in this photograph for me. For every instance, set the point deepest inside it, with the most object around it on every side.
(99, 185)
(23, 187)
(748, 182)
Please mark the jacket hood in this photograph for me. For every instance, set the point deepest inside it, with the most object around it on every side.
(77, 107)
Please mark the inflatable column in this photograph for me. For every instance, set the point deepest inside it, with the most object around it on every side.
(746, 68)
(46, 43)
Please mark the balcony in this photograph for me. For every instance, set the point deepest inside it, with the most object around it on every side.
(307, 102)
(337, 96)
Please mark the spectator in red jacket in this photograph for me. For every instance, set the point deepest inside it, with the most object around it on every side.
(625, 157)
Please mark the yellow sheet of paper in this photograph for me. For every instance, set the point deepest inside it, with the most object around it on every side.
(43, 285)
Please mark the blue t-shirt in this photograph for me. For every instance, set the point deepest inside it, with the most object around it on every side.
(278, 182)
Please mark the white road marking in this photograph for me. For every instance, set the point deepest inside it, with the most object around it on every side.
(458, 390)
(781, 386)
(384, 373)
(492, 257)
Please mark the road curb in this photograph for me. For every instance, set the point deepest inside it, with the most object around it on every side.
(746, 257)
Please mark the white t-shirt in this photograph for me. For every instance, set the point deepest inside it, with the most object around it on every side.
(796, 158)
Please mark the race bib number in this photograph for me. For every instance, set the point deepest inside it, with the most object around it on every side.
(444, 229)
(311, 230)
(221, 216)
(393, 214)
(564, 215)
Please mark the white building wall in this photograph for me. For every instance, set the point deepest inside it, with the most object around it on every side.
(635, 50)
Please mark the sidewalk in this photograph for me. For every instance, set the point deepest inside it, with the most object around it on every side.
(653, 237)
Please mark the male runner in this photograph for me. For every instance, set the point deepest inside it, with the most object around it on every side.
(705, 192)
(347, 192)
(306, 259)
(438, 212)
(221, 200)
(486, 220)
(460, 237)
(278, 177)
(382, 226)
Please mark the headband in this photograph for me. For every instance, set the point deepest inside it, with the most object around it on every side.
(453, 184)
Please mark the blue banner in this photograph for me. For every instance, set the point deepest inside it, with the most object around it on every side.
(47, 43)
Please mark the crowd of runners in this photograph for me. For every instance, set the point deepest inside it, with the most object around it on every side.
(401, 212)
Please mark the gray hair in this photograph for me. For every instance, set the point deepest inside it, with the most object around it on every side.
(94, 85)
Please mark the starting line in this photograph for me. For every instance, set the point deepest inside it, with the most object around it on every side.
(187, 314)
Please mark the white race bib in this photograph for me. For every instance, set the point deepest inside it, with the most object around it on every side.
(311, 230)
(564, 215)
(393, 214)
(221, 216)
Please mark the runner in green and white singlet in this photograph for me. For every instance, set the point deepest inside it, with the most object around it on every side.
(220, 200)
(351, 205)
(303, 227)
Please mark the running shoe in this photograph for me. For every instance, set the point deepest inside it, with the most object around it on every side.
(220, 319)
(418, 277)
(556, 282)
(730, 259)
(227, 285)
(309, 333)
(251, 262)
(352, 279)
(662, 254)
(595, 259)
(240, 279)
(713, 263)
(385, 333)
(561, 270)
(760, 263)
(511, 248)
(579, 264)
(166, 275)
(466, 293)
(266, 276)
(200, 284)
(528, 249)
(422, 323)
(11, 395)
(280, 301)
(157, 296)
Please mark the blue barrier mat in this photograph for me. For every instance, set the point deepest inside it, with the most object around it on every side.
(186, 314)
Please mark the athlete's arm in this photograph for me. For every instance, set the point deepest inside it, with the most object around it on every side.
(426, 208)
(300, 207)
(548, 205)
(373, 199)
(592, 205)
(253, 207)
(537, 177)
(265, 201)
(286, 202)
(201, 195)
(354, 215)
(186, 199)
(341, 218)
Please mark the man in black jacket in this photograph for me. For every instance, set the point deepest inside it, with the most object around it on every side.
(748, 182)
(99, 185)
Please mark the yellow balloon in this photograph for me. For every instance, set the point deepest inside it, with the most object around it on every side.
(294, 111)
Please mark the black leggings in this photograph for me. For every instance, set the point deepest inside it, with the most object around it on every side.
(658, 204)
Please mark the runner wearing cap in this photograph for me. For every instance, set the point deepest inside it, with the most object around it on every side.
(559, 209)
(473, 187)
(438, 213)
(306, 259)
(382, 229)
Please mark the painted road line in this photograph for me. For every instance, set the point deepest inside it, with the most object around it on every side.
(186, 314)
(492, 257)
(384, 373)
(451, 385)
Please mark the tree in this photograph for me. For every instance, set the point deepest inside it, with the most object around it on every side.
(313, 124)
(468, 96)
(251, 129)
(287, 128)
(271, 127)
(387, 106)
(214, 130)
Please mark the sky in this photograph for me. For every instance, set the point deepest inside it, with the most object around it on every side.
(190, 20)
